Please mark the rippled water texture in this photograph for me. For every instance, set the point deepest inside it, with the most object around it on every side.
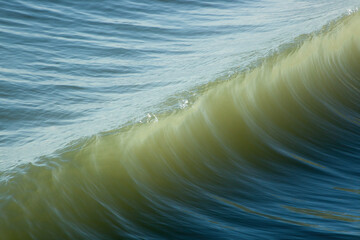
(179, 120)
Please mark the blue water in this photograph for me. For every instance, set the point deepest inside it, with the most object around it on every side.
(75, 71)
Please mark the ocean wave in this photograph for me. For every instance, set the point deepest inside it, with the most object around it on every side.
(286, 130)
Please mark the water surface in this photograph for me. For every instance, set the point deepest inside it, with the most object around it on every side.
(179, 120)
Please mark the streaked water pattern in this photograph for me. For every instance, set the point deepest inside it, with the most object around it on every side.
(179, 119)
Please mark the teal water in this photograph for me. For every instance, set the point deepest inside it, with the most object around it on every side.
(179, 120)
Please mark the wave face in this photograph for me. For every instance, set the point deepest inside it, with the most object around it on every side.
(268, 152)
(273, 153)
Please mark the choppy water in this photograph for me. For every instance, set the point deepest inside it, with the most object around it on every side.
(179, 120)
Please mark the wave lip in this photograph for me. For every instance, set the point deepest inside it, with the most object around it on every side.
(266, 152)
